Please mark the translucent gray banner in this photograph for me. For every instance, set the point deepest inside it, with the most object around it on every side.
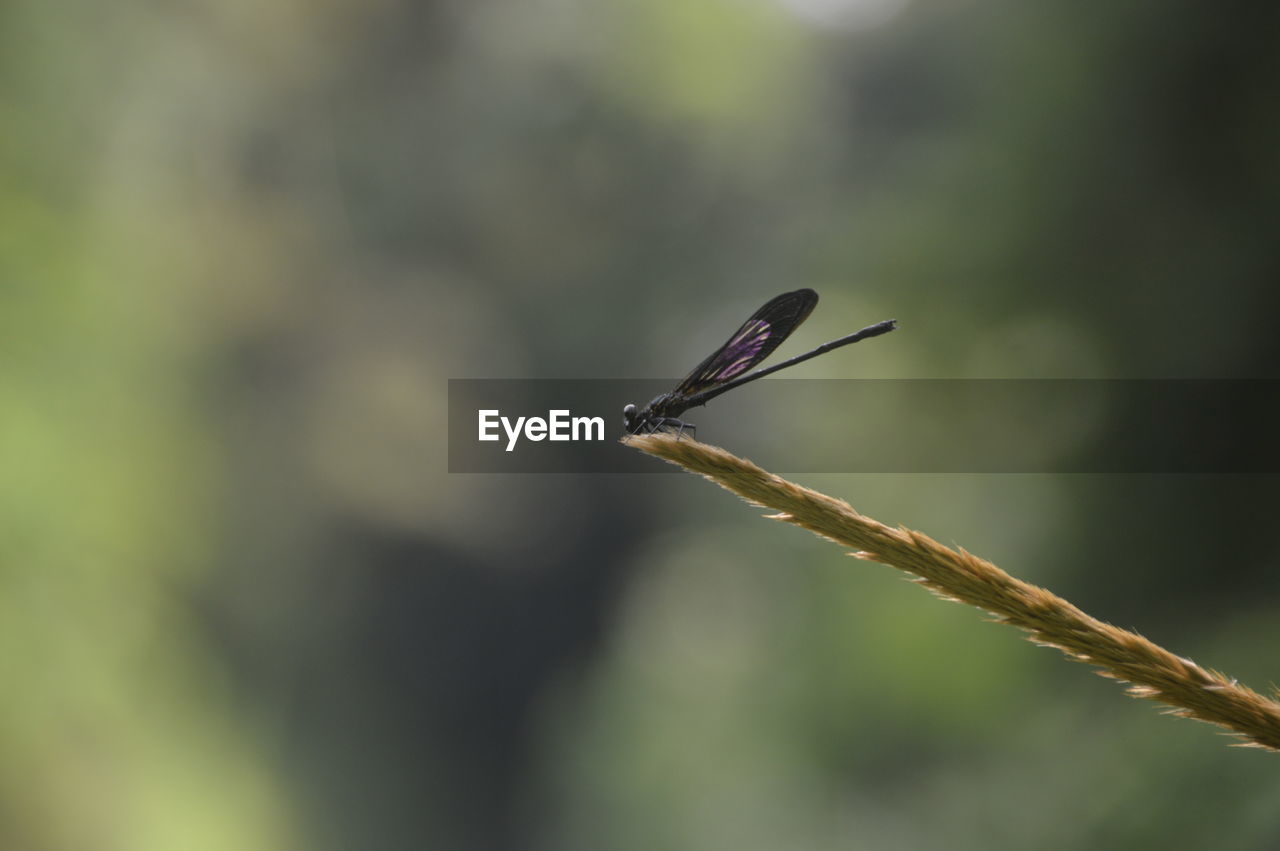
(884, 426)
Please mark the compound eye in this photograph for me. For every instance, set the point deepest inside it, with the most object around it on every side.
(629, 411)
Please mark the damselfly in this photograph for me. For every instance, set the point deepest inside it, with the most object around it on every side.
(723, 369)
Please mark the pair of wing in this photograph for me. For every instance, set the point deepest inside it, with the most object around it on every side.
(752, 343)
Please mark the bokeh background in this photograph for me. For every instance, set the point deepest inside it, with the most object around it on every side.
(245, 244)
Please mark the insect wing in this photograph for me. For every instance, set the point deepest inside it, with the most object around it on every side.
(752, 343)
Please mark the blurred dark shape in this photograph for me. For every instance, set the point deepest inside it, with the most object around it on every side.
(412, 715)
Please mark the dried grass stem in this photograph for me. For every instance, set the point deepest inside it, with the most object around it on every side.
(1152, 672)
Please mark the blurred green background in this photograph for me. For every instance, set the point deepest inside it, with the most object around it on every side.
(245, 244)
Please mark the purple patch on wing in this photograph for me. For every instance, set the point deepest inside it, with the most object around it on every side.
(740, 352)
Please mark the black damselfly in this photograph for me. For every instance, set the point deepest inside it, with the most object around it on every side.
(723, 368)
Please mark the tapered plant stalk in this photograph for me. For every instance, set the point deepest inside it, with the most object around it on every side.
(1151, 671)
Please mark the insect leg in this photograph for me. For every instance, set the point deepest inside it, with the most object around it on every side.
(667, 424)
